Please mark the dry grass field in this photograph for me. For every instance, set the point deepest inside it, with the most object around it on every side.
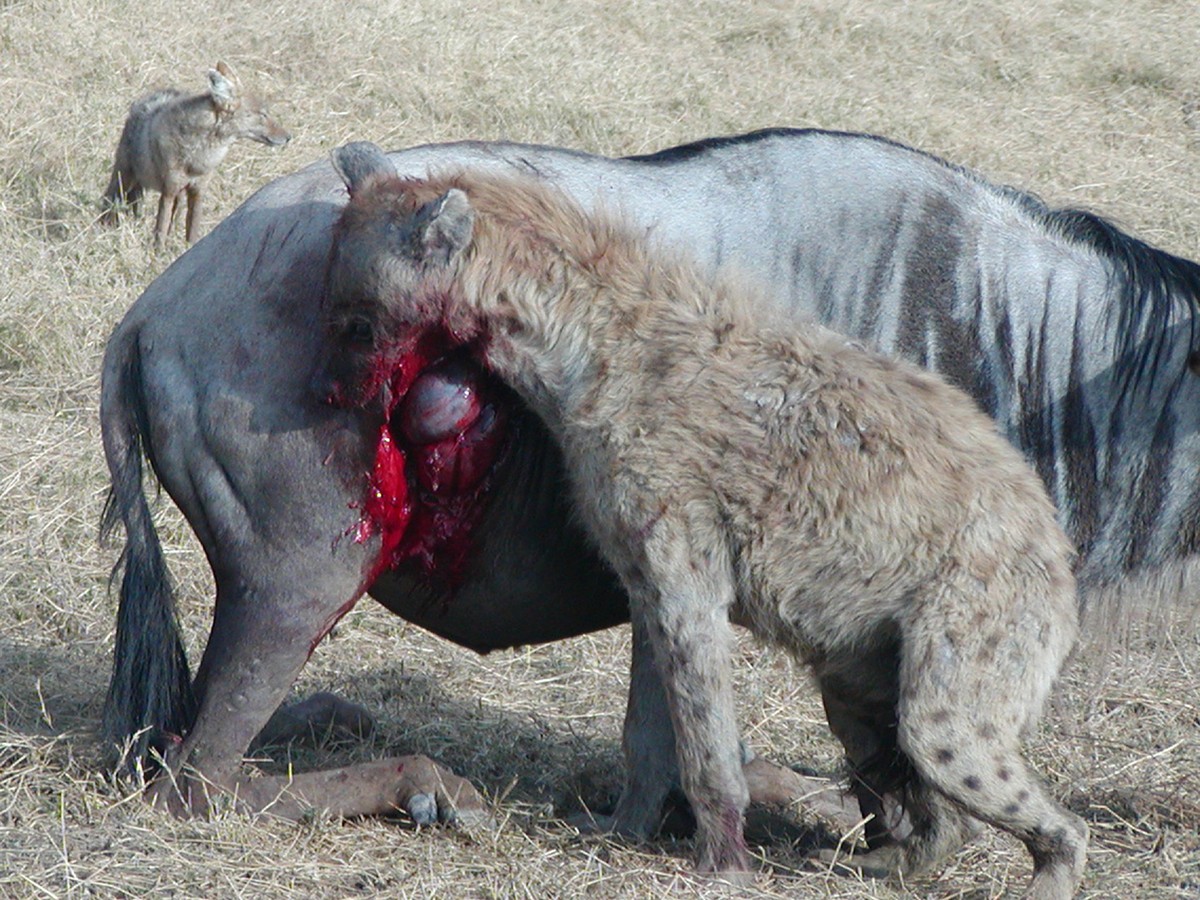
(1086, 102)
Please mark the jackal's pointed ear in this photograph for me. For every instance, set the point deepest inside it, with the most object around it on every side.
(223, 88)
(360, 160)
(444, 227)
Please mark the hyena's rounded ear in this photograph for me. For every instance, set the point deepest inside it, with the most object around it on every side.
(445, 226)
(360, 160)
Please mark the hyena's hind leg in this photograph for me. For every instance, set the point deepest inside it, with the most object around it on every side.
(966, 697)
(901, 811)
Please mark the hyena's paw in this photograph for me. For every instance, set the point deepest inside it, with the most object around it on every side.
(882, 862)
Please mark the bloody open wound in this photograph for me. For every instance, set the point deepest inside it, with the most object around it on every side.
(444, 430)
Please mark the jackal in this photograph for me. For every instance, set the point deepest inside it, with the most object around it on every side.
(172, 142)
(853, 509)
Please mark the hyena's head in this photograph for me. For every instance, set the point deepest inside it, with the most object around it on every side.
(394, 253)
(242, 115)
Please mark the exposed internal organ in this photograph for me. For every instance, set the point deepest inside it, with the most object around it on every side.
(445, 430)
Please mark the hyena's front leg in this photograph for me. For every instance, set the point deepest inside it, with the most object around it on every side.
(648, 741)
(682, 605)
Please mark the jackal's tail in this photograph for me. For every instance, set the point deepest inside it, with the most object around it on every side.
(124, 190)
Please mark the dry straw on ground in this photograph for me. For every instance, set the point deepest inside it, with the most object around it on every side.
(1087, 102)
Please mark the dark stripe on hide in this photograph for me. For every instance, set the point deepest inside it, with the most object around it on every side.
(928, 297)
(1151, 490)
(1004, 336)
(983, 383)
(1080, 443)
(1036, 431)
(881, 275)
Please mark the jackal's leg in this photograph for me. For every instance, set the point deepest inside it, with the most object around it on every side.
(123, 189)
(167, 202)
(193, 212)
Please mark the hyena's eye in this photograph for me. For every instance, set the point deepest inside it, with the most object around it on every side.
(360, 332)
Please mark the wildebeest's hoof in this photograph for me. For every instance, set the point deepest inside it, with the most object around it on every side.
(771, 784)
(416, 785)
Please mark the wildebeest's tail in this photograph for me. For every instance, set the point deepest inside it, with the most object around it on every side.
(150, 695)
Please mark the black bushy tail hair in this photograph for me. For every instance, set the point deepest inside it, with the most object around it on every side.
(150, 695)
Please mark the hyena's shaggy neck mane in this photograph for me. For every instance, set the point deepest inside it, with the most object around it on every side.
(546, 288)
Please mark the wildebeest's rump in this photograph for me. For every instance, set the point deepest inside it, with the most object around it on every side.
(858, 511)
(1074, 336)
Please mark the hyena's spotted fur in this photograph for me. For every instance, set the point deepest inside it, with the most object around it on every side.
(853, 509)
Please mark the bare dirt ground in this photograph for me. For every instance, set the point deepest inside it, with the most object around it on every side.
(1086, 102)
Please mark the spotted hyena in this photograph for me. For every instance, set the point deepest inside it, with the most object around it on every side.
(853, 509)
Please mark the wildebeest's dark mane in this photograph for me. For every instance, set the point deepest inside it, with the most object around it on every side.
(1147, 282)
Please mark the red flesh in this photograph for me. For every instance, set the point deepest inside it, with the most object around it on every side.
(433, 456)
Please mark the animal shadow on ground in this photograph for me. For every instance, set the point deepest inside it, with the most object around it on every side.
(532, 768)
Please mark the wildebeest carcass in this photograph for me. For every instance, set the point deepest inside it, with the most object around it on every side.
(1077, 338)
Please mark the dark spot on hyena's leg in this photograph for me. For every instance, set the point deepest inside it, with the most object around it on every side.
(945, 756)
(987, 732)
(1003, 773)
(1022, 795)
(1012, 809)
(941, 717)
(973, 782)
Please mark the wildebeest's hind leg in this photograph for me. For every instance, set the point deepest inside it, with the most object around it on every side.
(259, 642)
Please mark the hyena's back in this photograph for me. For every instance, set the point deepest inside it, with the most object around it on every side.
(846, 480)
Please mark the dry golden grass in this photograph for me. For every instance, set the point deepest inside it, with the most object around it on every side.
(1088, 102)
